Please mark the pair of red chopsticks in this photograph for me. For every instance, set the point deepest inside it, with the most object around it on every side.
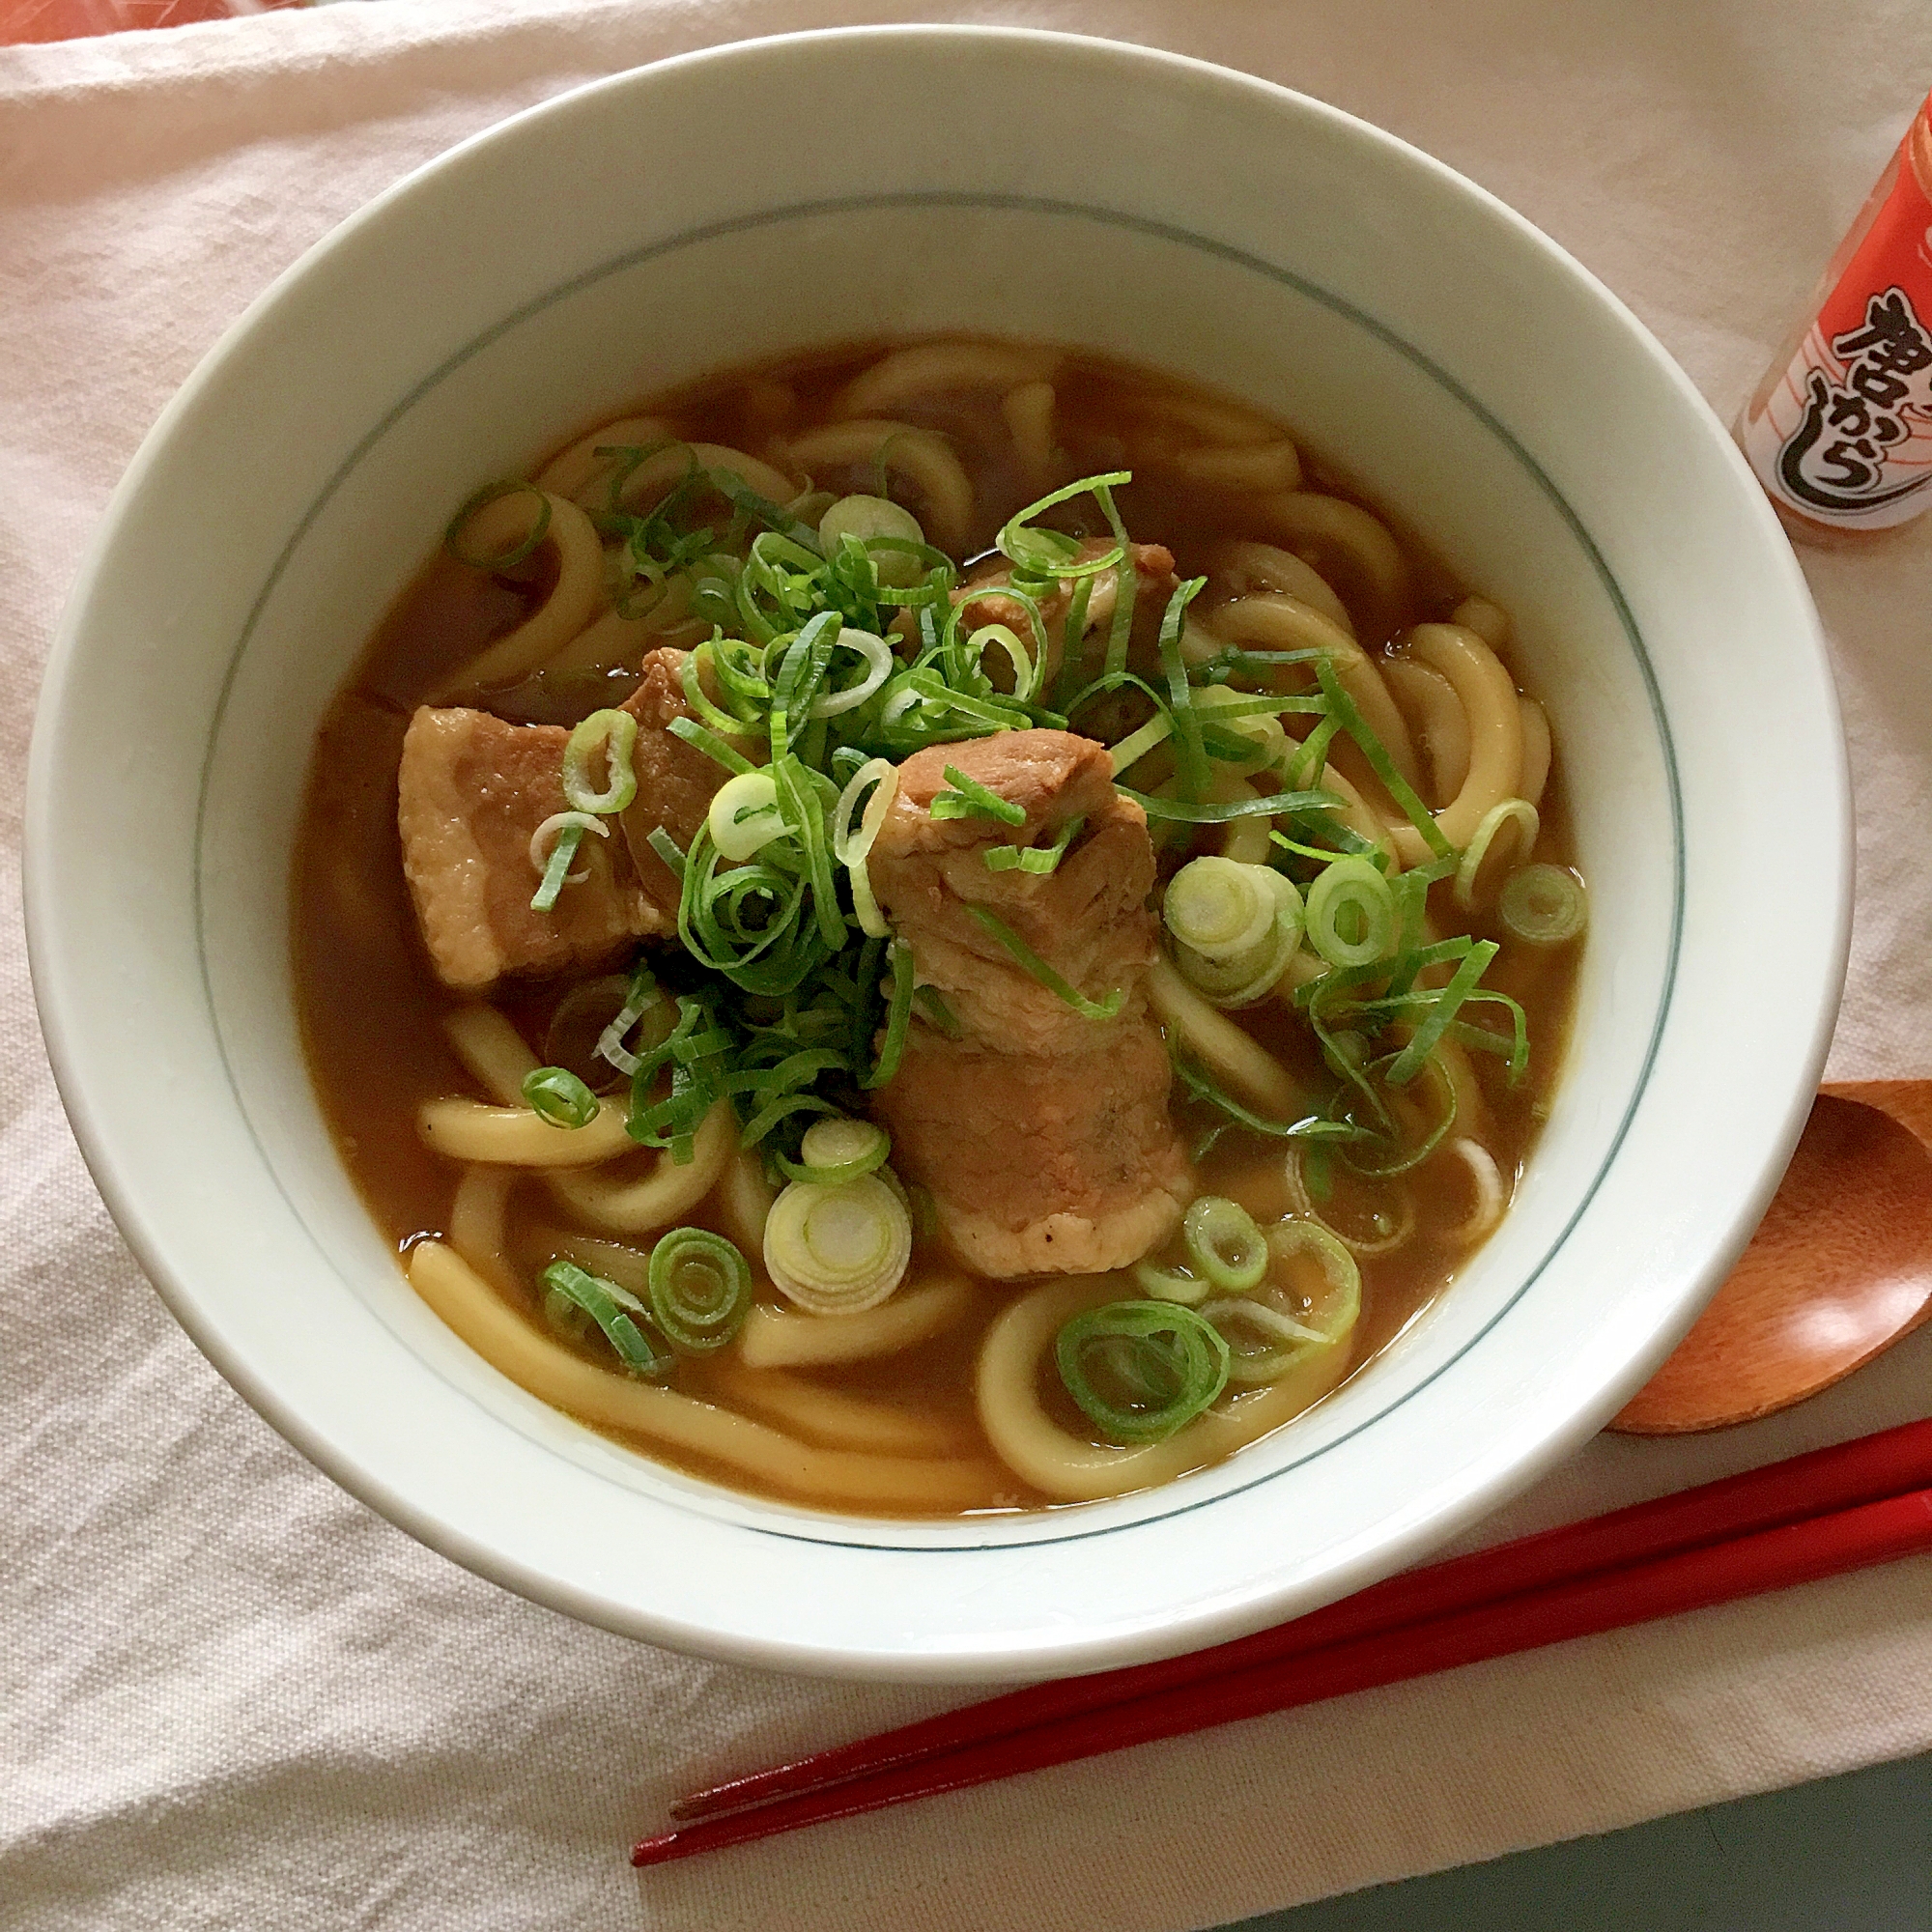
(1861, 1503)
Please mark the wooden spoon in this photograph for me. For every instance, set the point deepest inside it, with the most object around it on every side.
(1838, 1271)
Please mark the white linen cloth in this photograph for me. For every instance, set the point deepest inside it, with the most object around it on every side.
(232, 1698)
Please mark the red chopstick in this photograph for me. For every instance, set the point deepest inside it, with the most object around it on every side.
(1771, 1559)
(1849, 1474)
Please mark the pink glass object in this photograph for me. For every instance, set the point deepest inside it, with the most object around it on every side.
(76, 19)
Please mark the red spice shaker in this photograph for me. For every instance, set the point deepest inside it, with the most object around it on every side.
(1841, 430)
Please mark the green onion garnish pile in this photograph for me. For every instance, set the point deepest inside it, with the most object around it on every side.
(837, 649)
(805, 707)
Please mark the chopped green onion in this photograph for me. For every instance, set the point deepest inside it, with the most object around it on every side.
(1267, 806)
(1073, 640)
(1141, 1370)
(633, 458)
(1232, 658)
(1390, 1216)
(558, 1096)
(1515, 1051)
(553, 863)
(1048, 553)
(1342, 707)
(738, 664)
(641, 997)
(1202, 1087)
(1222, 908)
(1337, 1306)
(748, 921)
(1404, 1158)
(837, 1150)
(1350, 913)
(493, 493)
(577, 1022)
(1269, 1333)
(1393, 968)
(1127, 583)
(801, 671)
(1542, 905)
(1226, 746)
(872, 519)
(1001, 637)
(847, 1004)
(920, 708)
(1344, 841)
(1035, 858)
(1224, 1244)
(689, 1055)
(852, 848)
(1511, 810)
(744, 815)
(1252, 725)
(880, 665)
(803, 806)
(1485, 1039)
(969, 797)
(851, 585)
(1262, 1341)
(761, 509)
(1190, 756)
(691, 684)
(785, 1090)
(1408, 1062)
(1172, 1284)
(710, 744)
(612, 736)
(666, 847)
(1238, 962)
(837, 1250)
(700, 1289)
(898, 1017)
(568, 1286)
(1241, 981)
(1033, 964)
(1311, 760)
(1411, 891)
(1136, 745)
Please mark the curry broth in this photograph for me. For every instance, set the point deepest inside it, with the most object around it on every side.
(371, 1007)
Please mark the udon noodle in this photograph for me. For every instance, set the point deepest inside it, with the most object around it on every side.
(950, 927)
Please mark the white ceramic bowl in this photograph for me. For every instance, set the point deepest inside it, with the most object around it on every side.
(764, 197)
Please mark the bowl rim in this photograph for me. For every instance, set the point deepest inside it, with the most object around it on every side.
(122, 1196)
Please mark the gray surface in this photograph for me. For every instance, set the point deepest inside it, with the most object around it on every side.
(1849, 1854)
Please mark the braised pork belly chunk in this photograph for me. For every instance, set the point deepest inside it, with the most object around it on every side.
(1042, 1132)
(471, 792)
(1065, 1163)
(1087, 917)
(675, 780)
(474, 789)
